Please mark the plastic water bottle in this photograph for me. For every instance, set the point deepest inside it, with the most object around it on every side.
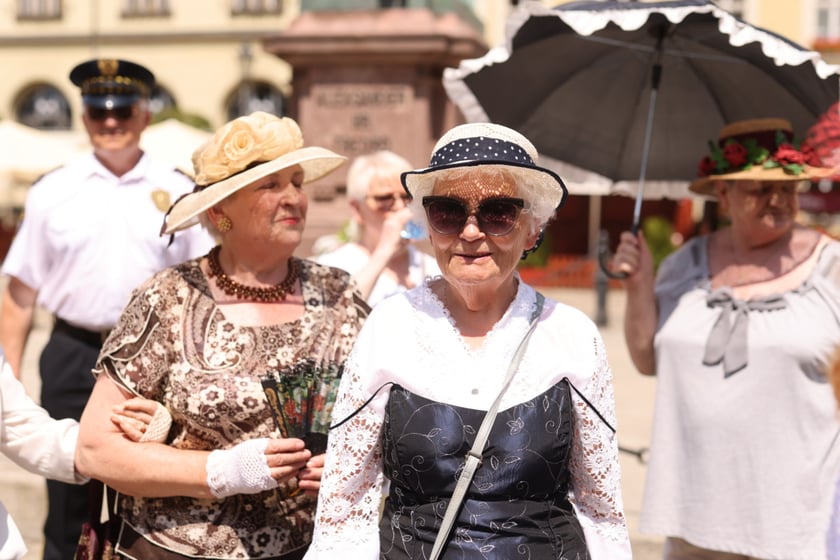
(413, 230)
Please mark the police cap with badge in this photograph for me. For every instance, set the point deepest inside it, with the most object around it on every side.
(112, 83)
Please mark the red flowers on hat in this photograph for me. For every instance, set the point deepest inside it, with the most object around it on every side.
(787, 154)
(739, 155)
(735, 154)
(706, 167)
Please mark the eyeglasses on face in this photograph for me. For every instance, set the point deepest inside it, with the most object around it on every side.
(387, 201)
(495, 216)
(120, 113)
(783, 188)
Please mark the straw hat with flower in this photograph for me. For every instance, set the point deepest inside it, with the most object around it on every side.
(241, 152)
(757, 150)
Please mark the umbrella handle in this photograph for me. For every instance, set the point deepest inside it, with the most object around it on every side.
(604, 255)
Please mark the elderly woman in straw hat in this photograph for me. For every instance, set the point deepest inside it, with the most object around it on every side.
(204, 338)
(430, 364)
(739, 326)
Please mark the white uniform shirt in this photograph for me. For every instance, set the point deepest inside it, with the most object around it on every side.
(88, 238)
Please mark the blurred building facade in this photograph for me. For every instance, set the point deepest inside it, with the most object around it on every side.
(207, 55)
(209, 58)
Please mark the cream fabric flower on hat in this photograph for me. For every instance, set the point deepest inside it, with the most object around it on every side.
(256, 138)
(243, 151)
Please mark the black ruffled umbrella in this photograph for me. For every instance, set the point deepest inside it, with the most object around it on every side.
(622, 97)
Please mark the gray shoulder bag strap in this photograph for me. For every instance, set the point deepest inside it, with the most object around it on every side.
(473, 459)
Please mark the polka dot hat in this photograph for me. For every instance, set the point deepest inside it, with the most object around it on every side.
(476, 144)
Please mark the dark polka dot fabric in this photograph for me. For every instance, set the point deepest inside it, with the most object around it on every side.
(478, 149)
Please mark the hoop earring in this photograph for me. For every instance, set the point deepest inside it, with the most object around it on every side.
(224, 224)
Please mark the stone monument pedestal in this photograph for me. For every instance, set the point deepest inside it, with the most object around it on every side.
(367, 80)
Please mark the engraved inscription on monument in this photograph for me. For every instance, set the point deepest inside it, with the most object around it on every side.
(360, 118)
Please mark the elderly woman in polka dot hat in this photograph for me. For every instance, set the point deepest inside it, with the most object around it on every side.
(430, 364)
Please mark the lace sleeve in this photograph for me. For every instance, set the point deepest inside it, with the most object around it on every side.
(346, 522)
(595, 472)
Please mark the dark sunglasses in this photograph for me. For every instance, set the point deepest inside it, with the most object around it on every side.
(387, 201)
(495, 216)
(119, 113)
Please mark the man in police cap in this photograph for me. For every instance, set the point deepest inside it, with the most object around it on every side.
(90, 234)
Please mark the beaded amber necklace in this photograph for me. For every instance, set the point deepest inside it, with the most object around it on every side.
(231, 287)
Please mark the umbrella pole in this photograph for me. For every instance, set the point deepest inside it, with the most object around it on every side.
(640, 193)
(656, 77)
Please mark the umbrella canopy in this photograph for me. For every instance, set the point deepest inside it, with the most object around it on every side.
(577, 80)
(26, 153)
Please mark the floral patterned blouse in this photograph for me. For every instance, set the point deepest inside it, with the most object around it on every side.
(174, 345)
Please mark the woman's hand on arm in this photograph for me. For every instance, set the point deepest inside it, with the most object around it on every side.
(151, 469)
(138, 469)
(134, 416)
(641, 314)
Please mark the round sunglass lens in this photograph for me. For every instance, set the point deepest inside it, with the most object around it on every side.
(446, 217)
(497, 217)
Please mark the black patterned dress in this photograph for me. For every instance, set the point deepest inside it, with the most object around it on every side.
(517, 506)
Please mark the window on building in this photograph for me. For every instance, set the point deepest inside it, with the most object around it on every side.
(39, 9)
(828, 19)
(735, 7)
(145, 8)
(45, 107)
(255, 7)
(255, 96)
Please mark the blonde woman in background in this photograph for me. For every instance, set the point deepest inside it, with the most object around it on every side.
(381, 259)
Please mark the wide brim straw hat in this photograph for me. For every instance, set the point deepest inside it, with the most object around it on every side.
(241, 152)
(757, 150)
(475, 144)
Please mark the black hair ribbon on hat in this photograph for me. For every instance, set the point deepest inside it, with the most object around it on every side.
(171, 206)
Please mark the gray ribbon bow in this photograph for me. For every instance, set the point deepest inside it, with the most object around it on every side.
(727, 341)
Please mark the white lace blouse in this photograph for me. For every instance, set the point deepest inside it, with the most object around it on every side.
(410, 339)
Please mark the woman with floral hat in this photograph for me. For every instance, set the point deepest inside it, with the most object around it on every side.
(739, 326)
(243, 347)
(475, 372)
